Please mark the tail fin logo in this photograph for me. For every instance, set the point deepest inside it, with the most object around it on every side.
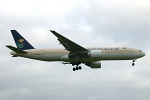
(20, 43)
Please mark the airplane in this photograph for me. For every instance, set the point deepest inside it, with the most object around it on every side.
(73, 53)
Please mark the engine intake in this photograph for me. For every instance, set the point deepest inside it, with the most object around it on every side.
(95, 54)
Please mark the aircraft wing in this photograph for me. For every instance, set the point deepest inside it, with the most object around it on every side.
(68, 44)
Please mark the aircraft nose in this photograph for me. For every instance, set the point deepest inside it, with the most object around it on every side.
(143, 54)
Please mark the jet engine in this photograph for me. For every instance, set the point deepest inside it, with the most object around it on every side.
(95, 54)
(94, 64)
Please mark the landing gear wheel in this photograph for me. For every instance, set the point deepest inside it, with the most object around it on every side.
(77, 68)
(80, 67)
(133, 64)
(74, 69)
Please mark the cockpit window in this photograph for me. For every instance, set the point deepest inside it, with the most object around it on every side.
(140, 50)
(124, 48)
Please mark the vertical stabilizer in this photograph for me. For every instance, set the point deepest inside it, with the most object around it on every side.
(21, 42)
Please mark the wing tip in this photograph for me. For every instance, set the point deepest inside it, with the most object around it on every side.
(52, 30)
(13, 30)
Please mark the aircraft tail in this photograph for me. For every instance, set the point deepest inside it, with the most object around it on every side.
(21, 43)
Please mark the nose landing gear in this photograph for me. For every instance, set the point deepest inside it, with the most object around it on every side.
(133, 62)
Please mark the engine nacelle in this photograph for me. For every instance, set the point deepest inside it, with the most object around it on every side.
(95, 54)
(94, 64)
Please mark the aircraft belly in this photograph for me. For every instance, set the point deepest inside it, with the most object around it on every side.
(51, 57)
(116, 56)
(88, 59)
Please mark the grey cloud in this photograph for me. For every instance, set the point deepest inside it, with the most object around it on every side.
(122, 23)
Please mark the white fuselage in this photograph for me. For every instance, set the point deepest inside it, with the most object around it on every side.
(107, 53)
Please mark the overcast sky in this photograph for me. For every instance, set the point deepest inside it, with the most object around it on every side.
(90, 23)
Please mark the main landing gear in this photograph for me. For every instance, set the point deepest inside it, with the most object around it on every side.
(77, 63)
(77, 68)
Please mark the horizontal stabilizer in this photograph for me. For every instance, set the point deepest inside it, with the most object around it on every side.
(16, 49)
